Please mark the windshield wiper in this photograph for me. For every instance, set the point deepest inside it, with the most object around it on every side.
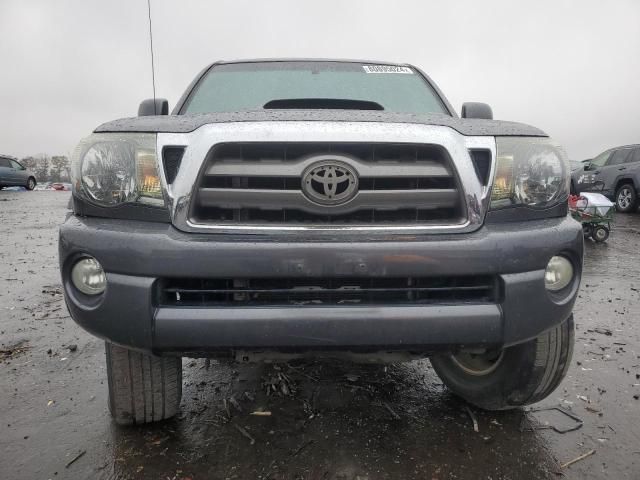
(322, 103)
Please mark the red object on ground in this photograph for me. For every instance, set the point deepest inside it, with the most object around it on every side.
(573, 200)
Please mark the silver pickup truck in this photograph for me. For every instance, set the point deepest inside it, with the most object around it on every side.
(324, 208)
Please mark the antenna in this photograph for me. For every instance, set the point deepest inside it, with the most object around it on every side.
(153, 74)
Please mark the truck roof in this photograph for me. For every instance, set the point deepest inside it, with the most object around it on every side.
(336, 60)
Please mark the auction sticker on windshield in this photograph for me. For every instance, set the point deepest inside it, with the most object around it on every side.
(386, 69)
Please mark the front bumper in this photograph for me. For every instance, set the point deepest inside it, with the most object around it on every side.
(136, 254)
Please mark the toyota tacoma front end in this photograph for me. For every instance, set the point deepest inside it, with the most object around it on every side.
(328, 208)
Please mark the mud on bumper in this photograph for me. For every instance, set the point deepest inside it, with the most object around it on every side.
(137, 256)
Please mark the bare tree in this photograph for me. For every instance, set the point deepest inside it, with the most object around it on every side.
(29, 163)
(42, 167)
(60, 168)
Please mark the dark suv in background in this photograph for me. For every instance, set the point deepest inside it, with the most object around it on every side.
(14, 174)
(615, 173)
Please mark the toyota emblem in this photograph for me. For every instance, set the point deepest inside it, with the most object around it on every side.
(330, 182)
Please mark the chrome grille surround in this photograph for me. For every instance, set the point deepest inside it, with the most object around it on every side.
(181, 193)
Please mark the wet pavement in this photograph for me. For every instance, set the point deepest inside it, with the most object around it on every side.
(327, 420)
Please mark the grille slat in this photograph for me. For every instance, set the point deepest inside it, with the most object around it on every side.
(410, 168)
(231, 198)
(261, 183)
(268, 182)
(325, 291)
(321, 291)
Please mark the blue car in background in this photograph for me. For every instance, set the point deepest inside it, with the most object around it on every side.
(13, 174)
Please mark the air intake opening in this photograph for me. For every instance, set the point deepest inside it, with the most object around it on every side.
(322, 103)
(248, 292)
(171, 159)
(482, 164)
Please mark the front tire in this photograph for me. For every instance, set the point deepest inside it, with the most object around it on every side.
(513, 377)
(31, 183)
(626, 198)
(142, 388)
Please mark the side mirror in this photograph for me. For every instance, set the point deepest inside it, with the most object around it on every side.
(476, 110)
(587, 167)
(150, 106)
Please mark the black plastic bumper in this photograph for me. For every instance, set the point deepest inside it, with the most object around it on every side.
(136, 254)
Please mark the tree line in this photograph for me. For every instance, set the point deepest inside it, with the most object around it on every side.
(48, 169)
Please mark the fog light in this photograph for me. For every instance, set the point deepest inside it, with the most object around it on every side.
(88, 276)
(558, 274)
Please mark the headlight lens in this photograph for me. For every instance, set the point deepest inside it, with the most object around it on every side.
(110, 169)
(530, 171)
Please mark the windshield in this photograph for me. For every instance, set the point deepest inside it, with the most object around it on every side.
(252, 86)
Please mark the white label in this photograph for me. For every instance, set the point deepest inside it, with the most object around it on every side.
(386, 69)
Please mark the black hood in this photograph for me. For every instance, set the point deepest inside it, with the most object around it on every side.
(190, 122)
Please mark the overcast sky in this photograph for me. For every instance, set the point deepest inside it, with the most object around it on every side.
(571, 68)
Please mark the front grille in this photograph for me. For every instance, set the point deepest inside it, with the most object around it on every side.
(181, 292)
(262, 183)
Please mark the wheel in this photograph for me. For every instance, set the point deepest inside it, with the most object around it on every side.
(626, 198)
(142, 388)
(600, 233)
(31, 183)
(586, 231)
(512, 377)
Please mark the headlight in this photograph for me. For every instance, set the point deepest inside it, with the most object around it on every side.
(109, 169)
(529, 171)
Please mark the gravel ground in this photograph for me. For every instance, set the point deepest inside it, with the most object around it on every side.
(328, 420)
